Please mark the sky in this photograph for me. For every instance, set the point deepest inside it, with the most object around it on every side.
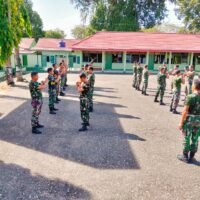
(62, 14)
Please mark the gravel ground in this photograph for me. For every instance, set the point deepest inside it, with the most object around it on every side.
(129, 152)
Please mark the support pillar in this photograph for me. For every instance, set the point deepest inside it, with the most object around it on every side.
(124, 61)
(170, 60)
(103, 61)
(81, 60)
(192, 57)
(147, 58)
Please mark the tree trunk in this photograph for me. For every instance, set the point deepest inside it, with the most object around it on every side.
(9, 72)
(18, 66)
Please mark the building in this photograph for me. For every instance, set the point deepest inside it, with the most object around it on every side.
(119, 50)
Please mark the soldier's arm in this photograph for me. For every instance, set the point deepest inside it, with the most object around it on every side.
(184, 116)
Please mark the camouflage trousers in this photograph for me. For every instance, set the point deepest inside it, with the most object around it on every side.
(138, 82)
(175, 100)
(52, 98)
(66, 79)
(191, 133)
(134, 80)
(36, 110)
(188, 89)
(62, 83)
(161, 92)
(90, 98)
(84, 107)
(144, 87)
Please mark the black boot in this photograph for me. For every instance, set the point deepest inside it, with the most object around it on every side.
(84, 128)
(161, 103)
(51, 111)
(183, 157)
(192, 154)
(156, 99)
(40, 126)
(55, 109)
(62, 94)
(86, 124)
(36, 131)
(175, 112)
(170, 109)
(90, 109)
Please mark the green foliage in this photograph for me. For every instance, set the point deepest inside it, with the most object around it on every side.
(81, 31)
(36, 21)
(56, 33)
(190, 12)
(14, 23)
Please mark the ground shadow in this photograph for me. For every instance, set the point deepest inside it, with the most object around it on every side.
(18, 183)
(104, 146)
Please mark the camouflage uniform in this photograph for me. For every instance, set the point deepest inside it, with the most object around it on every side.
(91, 78)
(57, 84)
(139, 77)
(84, 103)
(176, 92)
(134, 76)
(52, 91)
(188, 88)
(145, 81)
(36, 102)
(161, 86)
(191, 126)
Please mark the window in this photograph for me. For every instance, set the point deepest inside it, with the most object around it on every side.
(117, 58)
(180, 58)
(48, 59)
(197, 59)
(159, 58)
(132, 58)
(88, 57)
(74, 59)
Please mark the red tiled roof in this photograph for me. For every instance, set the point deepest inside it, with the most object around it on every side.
(50, 44)
(140, 42)
(26, 43)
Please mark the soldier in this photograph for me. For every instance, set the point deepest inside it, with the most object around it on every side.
(166, 72)
(62, 79)
(190, 77)
(83, 88)
(134, 75)
(173, 73)
(52, 91)
(139, 76)
(37, 101)
(162, 76)
(190, 124)
(66, 71)
(57, 76)
(91, 79)
(145, 80)
(178, 80)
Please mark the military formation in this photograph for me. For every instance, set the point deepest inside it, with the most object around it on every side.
(190, 120)
(57, 83)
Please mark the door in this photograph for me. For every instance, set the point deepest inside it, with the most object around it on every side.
(108, 64)
(44, 61)
(71, 61)
(25, 60)
(151, 62)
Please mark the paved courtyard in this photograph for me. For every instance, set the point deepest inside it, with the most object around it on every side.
(129, 153)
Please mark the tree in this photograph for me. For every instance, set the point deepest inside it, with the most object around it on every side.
(190, 12)
(121, 15)
(56, 33)
(13, 24)
(36, 21)
(81, 31)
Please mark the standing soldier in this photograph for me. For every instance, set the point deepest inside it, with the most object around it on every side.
(62, 79)
(66, 71)
(178, 80)
(91, 79)
(145, 80)
(139, 76)
(57, 76)
(37, 101)
(172, 73)
(134, 75)
(52, 91)
(162, 76)
(190, 124)
(190, 77)
(83, 88)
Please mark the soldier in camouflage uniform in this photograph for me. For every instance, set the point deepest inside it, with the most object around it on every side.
(162, 76)
(139, 76)
(190, 124)
(91, 79)
(134, 75)
(52, 91)
(37, 101)
(57, 76)
(190, 77)
(83, 88)
(145, 80)
(177, 81)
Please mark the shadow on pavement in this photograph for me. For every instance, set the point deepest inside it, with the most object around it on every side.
(18, 183)
(104, 146)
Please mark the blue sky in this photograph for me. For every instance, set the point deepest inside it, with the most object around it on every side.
(62, 14)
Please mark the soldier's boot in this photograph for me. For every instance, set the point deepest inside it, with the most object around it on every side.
(146, 94)
(57, 102)
(84, 128)
(171, 109)
(156, 99)
(62, 94)
(183, 157)
(36, 131)
(57, 99)
(90, 109)
(191, 158)
(175, 111)
(40, 126)
(55, 109)
(161, 103)
(86, 124)
(51, 111)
